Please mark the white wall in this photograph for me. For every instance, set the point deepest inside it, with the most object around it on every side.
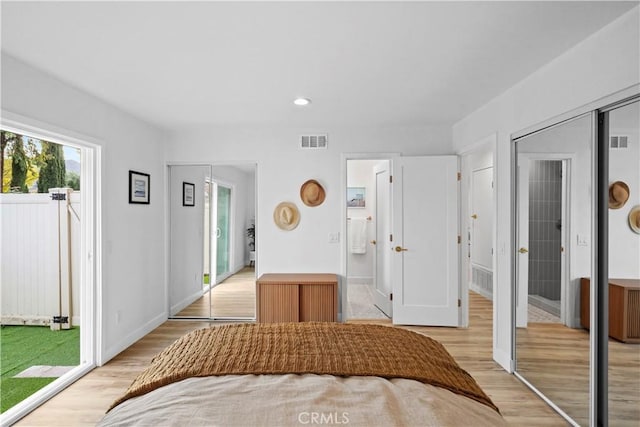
(133, 281)
(624, 165)
(360, 174)
(283, 168)
(243, 201)
(580, 76)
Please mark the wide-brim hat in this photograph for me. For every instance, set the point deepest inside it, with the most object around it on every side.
(286, 216)
(312, 193)
(634, 219)
(618, 194)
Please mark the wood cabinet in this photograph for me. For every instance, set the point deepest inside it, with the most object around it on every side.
(624, 308)
(297, 297)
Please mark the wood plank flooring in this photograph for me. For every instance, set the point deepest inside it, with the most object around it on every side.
(234, 297)
(85, 402)
(555, 359)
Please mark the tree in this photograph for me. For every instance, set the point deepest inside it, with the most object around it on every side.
(73, 181)
(53, 171)
(19, 168)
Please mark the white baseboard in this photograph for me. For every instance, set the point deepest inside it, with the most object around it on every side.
(477, 289)
(129, 340)
(360, 280)
(176, 308)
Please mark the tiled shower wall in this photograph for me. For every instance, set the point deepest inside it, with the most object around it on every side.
(545, 212)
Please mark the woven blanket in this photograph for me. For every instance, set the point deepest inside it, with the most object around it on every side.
(307, 348)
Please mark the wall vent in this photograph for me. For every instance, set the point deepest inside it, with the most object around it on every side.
(313, 142)
(618, 141)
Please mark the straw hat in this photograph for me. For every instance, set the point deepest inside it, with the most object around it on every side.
(634, 219)
(286, 216)
(312, 193)
(618, 195)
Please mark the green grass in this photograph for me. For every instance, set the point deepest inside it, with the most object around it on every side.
(24, 346)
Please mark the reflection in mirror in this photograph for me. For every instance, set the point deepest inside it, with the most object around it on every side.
(624, 267)
(233, 292)
(212, 245)
(189, 242)
(553, 216)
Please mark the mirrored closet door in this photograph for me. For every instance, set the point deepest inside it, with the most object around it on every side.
(620, 131)
(553, 222)
(212, 246)
(190, 241)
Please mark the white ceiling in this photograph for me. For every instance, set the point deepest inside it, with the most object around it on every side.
(180, 64)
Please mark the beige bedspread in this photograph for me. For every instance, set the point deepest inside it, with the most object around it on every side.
(299, 400)
(302, 348)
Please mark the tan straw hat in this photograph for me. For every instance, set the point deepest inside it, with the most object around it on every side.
(634, 219)
(286, 216)
(618, 195)
(312, 193)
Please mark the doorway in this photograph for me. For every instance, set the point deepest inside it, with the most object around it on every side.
(50, 217)
(368, 222)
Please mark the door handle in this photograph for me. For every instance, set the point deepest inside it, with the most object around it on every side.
(400, 249)
(474, 216)
(523, 250)
(373, 242)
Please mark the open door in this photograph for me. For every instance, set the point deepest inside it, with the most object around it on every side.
(425, 241)
(382, 246)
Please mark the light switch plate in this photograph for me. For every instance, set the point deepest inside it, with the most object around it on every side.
(334, 237)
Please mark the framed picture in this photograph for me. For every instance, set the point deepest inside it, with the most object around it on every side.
(139, 187)
(356, 197)
(188, 194)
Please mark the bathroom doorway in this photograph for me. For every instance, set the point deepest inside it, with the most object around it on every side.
(368, 245)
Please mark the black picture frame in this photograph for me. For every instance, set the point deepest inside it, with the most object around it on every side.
(188, 194)
(139, 188)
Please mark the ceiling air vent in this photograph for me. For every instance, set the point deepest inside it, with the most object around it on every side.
(619, 141)
(313, 142)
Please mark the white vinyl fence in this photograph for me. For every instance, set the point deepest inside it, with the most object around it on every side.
(39, 272)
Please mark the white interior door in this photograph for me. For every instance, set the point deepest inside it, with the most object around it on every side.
(382, 258)
(425, 241)
(523, 242)
(482, 218)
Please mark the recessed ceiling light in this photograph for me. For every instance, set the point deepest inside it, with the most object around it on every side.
(302, 101)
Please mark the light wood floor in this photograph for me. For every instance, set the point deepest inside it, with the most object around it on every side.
(85, 402)
(234, 297)
(555, 359)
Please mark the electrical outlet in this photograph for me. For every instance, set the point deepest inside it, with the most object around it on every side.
(118, 316)
(334, 237)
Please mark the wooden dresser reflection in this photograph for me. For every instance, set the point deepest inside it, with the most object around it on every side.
(624, 308)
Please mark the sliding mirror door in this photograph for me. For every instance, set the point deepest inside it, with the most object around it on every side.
(553, 222)
(233, 293)
(190, 244)
(621, 128)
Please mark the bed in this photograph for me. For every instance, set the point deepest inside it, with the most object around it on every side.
(308, 373)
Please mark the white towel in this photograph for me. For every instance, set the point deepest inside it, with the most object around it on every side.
(358, 236)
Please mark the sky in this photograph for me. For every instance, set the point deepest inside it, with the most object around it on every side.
(70, 153)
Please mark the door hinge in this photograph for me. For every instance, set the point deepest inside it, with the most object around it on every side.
(459, 303)
(391, 296)
(391, 237)
(459, 239)
(459, 176)
(390, 179)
